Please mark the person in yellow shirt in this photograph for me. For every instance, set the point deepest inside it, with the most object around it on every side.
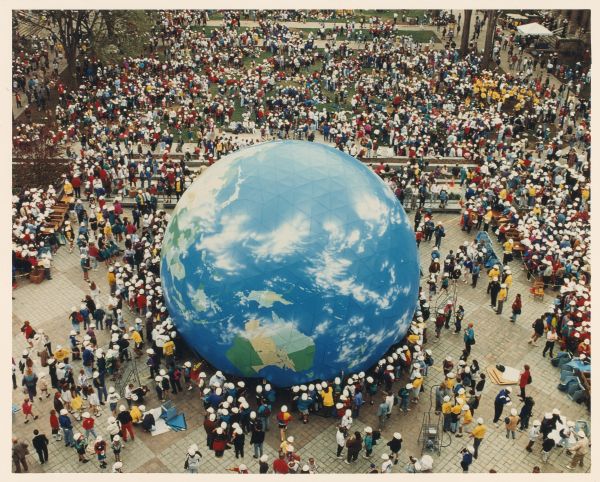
(493, 273)
(477, 434)
(112, 280)
(508, 249)
(76, 404)
(61, 354)
(502, 295)
(108, 232)
(137, 340)
(417, 383)
(466, 419)
(168, 350)
(585, 193)
(455, 414)
(508, 279)
(412, 339)
(487, 219)
(450, 380)
(136, 414)
(446, 411)
(68, 188)
(327, 396)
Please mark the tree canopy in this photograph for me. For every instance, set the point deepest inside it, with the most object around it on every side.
(107, 34)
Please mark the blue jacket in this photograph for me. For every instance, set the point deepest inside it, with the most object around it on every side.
(503, 397)
(64, 421)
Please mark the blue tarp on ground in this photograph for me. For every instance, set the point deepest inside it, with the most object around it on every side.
(490, 256)
(175, 421)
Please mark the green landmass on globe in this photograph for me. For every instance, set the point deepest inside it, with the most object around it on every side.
(281, 346)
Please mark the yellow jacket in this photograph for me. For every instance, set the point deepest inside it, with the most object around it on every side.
(60, 355)
(502, 294)
(168, 348)
(467, 417)
(77, 403)
(479, 431)
(327, 397)
(446, 407)
(494, 273)
(136, 414)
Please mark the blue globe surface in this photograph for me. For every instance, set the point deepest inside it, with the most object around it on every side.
(291, 261)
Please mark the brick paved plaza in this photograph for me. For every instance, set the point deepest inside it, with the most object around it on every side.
(498, 341)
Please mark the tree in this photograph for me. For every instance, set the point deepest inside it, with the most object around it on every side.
(489, 39)
(37, 159)
(464, 43)
(124, 30)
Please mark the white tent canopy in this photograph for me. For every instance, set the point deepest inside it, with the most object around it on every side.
(534, 29)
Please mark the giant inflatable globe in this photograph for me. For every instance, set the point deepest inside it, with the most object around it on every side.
(290, 261)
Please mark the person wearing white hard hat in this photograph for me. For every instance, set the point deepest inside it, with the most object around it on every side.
(283, 419)
(511, 423)
(387, 464)
(187, 375)
(382, 412)
(327, 394)
(192, 459)
(395, 445)
(579, 450)
(478, 434)
(238, 440)
(303, 404)
(371, 388)
(217, 380)
(502, 399)
(347, 420)
(87, 423)
(112, 399)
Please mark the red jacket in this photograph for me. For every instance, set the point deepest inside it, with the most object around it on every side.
(524, 379)
(88, 423)
(219, 444)
(280, 467)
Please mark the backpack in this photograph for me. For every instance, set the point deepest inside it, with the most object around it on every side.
(529, 380)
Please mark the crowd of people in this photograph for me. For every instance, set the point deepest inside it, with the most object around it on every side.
(124, 129)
